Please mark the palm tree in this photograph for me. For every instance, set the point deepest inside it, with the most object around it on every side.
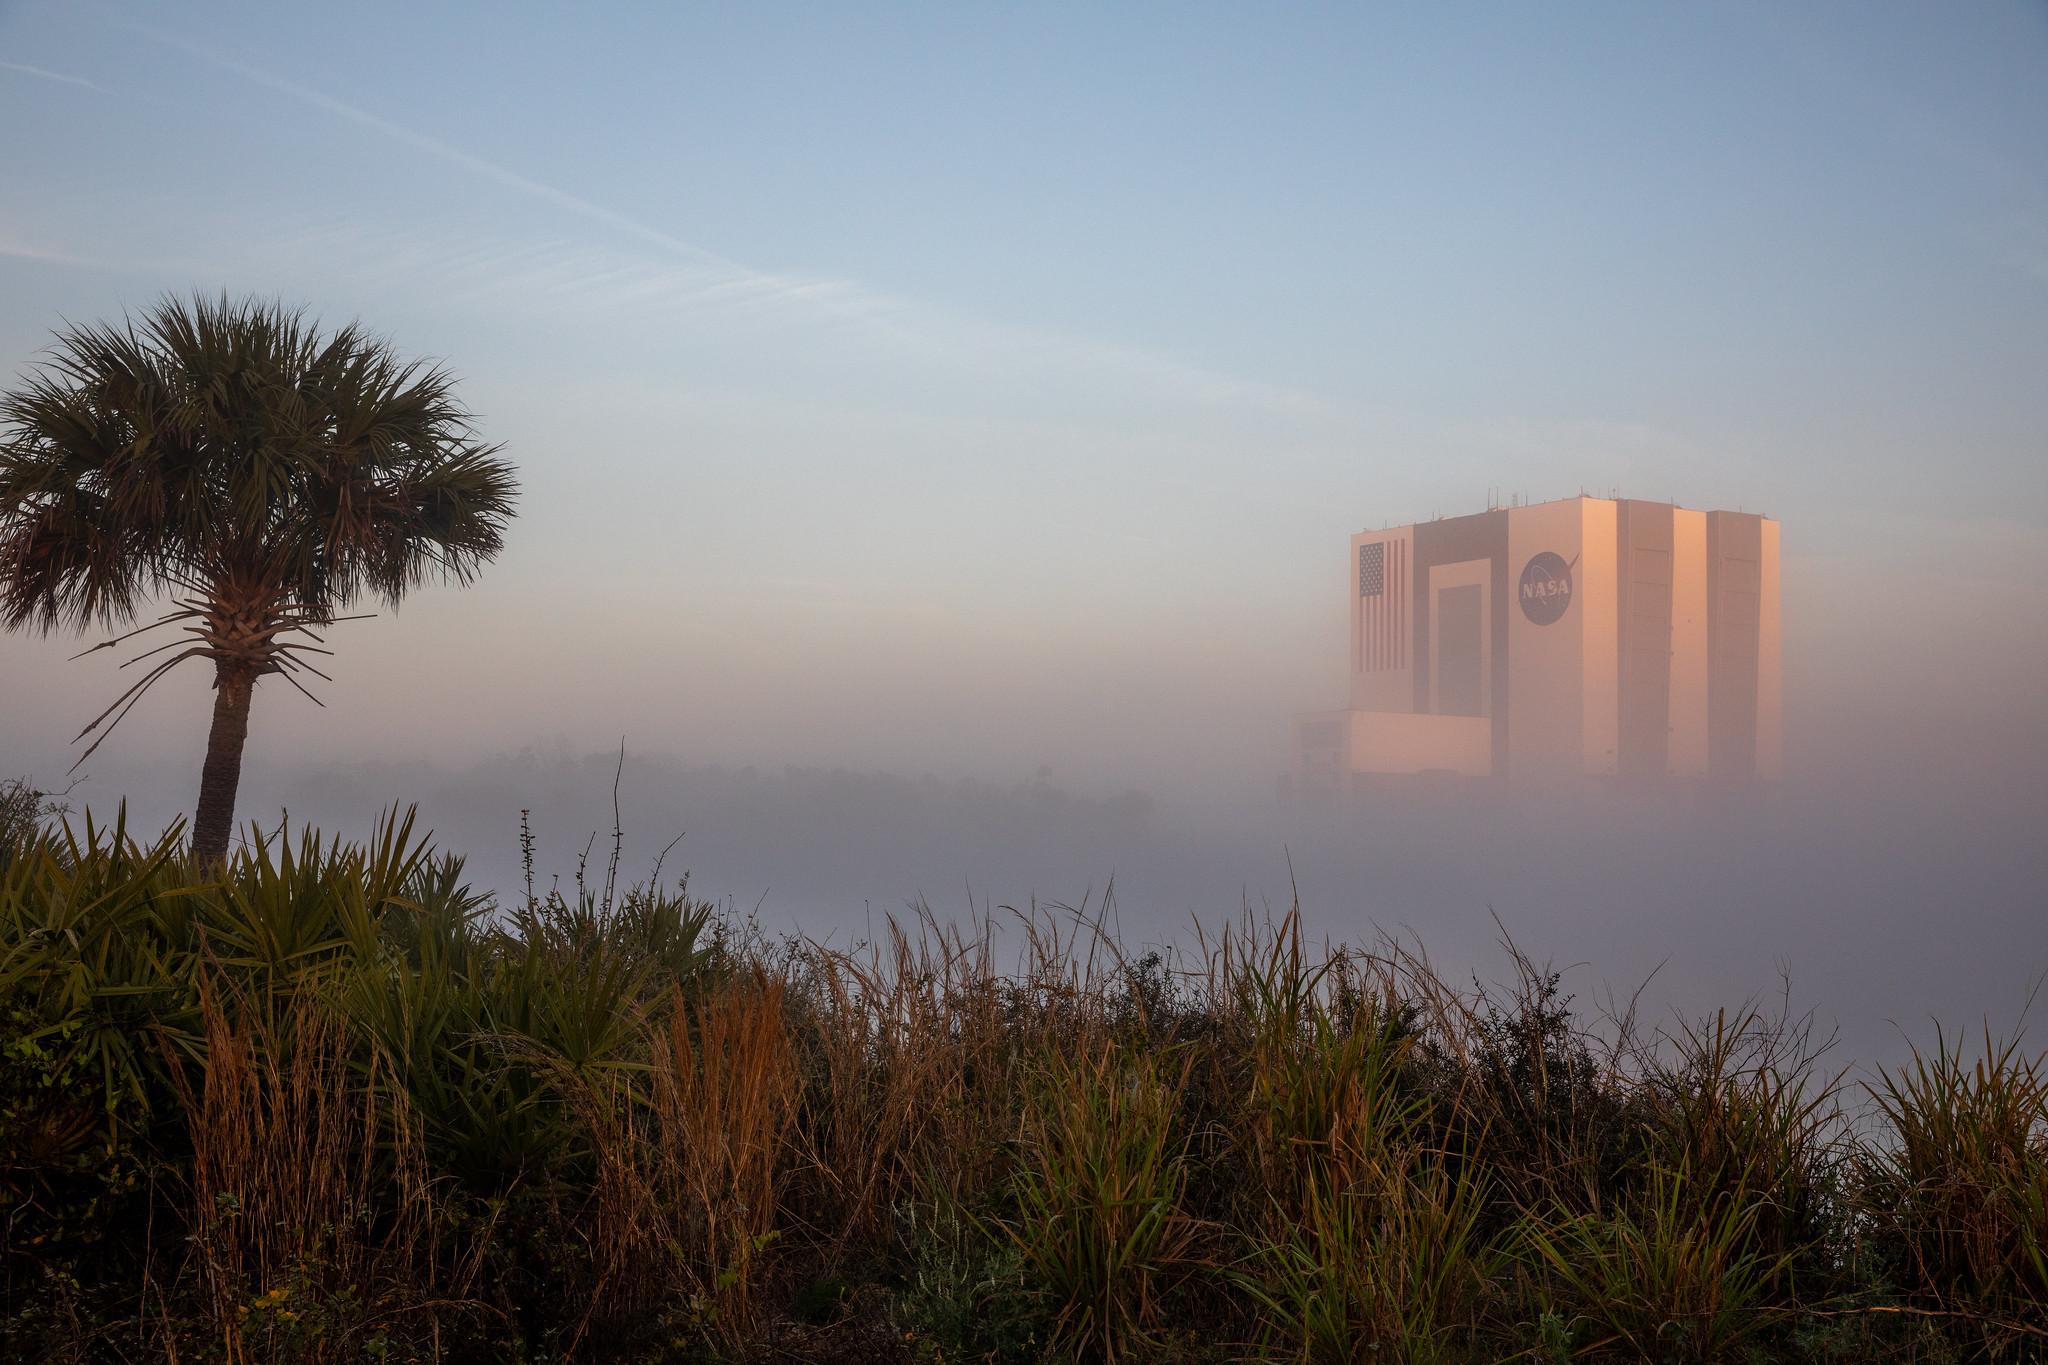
(261, 476)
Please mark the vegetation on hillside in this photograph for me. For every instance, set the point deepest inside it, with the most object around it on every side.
(325, 1102)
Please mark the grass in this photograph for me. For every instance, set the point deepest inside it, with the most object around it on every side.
(1664, 1276)
(1960, 1189)
(1098, 1192)
(332, 1104)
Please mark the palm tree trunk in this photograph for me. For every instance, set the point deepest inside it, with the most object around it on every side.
(214, 821)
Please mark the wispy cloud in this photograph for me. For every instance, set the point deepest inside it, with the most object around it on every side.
(473, 260)
(684, 276)
(477, 261)
(23, 251)
(53, 76)
(762, 283)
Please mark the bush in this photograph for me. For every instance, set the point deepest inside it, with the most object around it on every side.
(333, 1104)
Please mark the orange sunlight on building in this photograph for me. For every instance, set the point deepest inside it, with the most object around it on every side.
(1587, 640)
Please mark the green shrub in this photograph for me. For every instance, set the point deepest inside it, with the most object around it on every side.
(332, 1103)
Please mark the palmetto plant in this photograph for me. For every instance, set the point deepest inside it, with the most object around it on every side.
(261, 475)
(105, 942)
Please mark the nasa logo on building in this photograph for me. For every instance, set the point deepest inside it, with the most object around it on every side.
(1546, 590)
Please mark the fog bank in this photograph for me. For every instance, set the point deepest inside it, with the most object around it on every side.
(1885, 907)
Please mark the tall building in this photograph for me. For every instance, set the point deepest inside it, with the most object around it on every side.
(1559, 642)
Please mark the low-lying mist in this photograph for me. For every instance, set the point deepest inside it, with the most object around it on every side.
(1899, 877)
(1886, 905)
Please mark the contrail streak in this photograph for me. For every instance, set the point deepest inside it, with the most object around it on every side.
(476, 165)
(55, 76)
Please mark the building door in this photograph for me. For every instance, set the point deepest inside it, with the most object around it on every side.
(1460, 651)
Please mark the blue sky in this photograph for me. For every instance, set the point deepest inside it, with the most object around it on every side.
(971, 388)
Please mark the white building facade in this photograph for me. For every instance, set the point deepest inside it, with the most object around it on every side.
(1559, 642)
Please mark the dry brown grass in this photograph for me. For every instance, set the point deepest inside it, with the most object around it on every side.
(691, 1151)
(908, 1039)
(923, 1047)
(310, 1210)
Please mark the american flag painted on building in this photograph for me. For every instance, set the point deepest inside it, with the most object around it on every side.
(1382, 601)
